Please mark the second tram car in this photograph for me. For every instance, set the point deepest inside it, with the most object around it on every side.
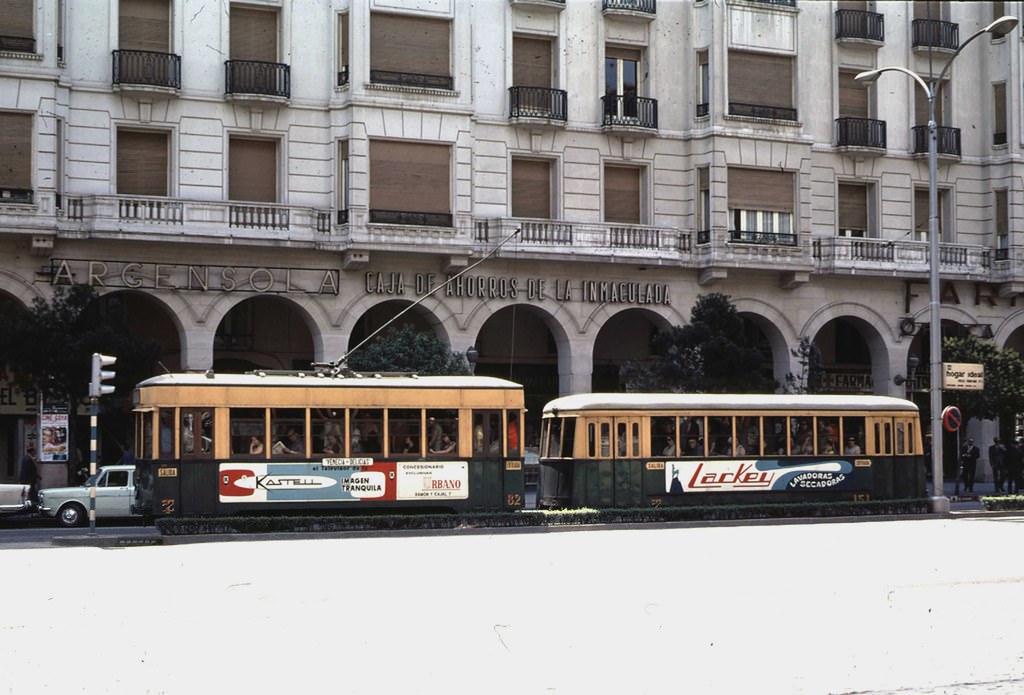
(653, 449)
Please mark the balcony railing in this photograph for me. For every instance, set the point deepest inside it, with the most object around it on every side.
(538, 102)
(742, 236)
(343, 76)
(256, 216)
(16, 195)
(257, 77)
(412, 79)
(17, 44)
(947, 140)
(645, 6)
(935, 33)
(592, 240)
(888, 257)
(999, 138)
(859, 24)
(622, 110)
(777, 113)
(860, 132)
(702, 110)
(406, 217)
(147, 68)
(155, 210)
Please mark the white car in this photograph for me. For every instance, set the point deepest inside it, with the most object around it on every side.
(15, 498)
(115, 491)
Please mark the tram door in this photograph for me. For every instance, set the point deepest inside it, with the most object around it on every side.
(198, 470)
(628, 483)
(614, 476)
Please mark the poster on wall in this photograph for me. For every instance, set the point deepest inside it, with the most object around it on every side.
(53, 432)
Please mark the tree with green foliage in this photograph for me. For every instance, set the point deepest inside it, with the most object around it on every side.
(48, 347)
(709, 354)
(809, 379)
(1003, 395)
(403, 349)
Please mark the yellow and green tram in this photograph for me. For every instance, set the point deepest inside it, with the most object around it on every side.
(653, 449)
(220, 444)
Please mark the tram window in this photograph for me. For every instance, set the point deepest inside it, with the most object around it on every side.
(196, 432)
(883, 437)
(748, 435)
(167, 433)
(691, 435)
(248, 427)
(552, 433)
(568, 437)
(801, 442)
(514, 435)
(853, 436)
(663, 436)
(366, 424)
(901, 438)
(606, 447)
(442, 431)
(775, 438)
(486, 433)
(621, 439)
(146, 436)
(592, 439)
(828, 435)
(404, 426)
(288, 432)
(720, 436)
(327, 426)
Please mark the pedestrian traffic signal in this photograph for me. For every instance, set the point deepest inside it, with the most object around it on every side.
(96, 386)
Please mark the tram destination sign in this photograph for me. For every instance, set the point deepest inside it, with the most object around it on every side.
(963, 376)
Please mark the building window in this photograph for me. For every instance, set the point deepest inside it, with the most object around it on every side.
(921, 104)
(16, 157)
(253, 34)
(343, 203)
(921, 216)
(854, 210)
(531, 188)
(252, 170)
(142, 162)
(761, 85)
(410, 183)
(343, 41)
(621, 81)
(144, 25)
(761, 206)
(532, 94)
(703, 83)
(410, 51)
(17, 30)
(999, 113)
(704, 211)
(622, 194)
(1002, 225)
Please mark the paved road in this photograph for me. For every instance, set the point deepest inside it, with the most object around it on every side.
(922, 607)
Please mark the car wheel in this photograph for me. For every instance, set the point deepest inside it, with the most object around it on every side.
(71, 515)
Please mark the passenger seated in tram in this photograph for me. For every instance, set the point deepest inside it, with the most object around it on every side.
(255, 445)
(670, 447)
(445, 446)
(693, 447)
(332, 445)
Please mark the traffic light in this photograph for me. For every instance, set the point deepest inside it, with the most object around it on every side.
(96, 386)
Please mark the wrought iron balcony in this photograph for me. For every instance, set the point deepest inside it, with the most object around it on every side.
(147, 68)
(947, 140)
(631, 7)
(742, 236)
(783, 3)
(538, 102)
(412, 79)
(627, 111)
(886, 257)
(16, 195)
(935, 33)
(776, 113)
(258, 78)
(18, 44)
(407, 217)
(343, 76)
(702, 110)
(861, 25)
(860, 133)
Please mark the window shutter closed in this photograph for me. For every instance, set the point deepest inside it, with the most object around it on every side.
(853, 206)
(343, 39)
(857, 5)
(531, 188)
(1002, 214)
(761, 79)
(531, 62)
(144, 25)
(622, 194)
(921, 105)
(414, 45)
(999, 116)
(253, 34)
(853, 97)
(252, 170)
(142, 163)
(410, 176)
(16, 150)
(18, 15)
(761, 189)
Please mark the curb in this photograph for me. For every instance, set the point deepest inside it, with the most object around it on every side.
(108, 541)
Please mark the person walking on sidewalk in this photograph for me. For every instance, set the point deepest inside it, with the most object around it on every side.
(969, 456)
(1014, 460)
(997, 459)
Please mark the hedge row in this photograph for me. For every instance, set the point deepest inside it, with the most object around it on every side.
(1003, 502)
(395, 522)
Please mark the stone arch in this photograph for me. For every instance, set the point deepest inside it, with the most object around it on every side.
(259, 331)
(630, 344)
(777, 328)
(879, 336)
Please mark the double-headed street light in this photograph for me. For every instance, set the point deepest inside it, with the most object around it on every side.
(999, 28)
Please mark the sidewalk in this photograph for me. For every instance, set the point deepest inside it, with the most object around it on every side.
(966, 500)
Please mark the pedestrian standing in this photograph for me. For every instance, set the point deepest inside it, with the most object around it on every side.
(28, 473)
(997, 459)
(1014, 460)
(969, 456)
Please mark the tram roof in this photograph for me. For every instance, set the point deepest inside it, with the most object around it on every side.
(314, 380)
(725, 401)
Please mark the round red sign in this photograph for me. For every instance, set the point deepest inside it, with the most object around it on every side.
(951, 418)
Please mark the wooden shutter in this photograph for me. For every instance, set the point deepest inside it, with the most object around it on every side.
(252, 170)
(343, 39)
(858, 5)
(931, 9)
(921, 222)
(18, 18)
(414, 45)
(253, 34)
(853, 206)
(142, 159)
(16, 150)
(999, 115)
(761, 189)
(761, 79)
(410, 176)
(531, 188)
(531, 62)
(144, 25)
(853, 97)
(622, 194)
(1002, 214)
(921, 104)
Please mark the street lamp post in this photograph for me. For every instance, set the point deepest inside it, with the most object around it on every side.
(999, 28)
